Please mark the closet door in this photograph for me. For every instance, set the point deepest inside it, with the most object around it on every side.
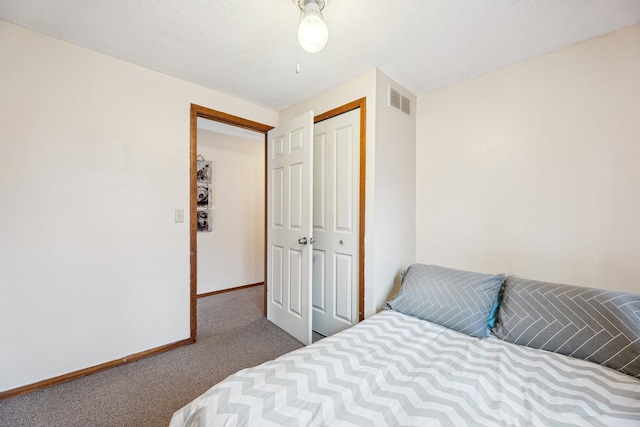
(336, 223)
(289, 226)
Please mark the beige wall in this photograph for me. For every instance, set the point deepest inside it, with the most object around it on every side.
(533, 169)
(395, 186)
(94, 160)
(232, 254)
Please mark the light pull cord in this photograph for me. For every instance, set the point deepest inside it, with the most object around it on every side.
(298, 46)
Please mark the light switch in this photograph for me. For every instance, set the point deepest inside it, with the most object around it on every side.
(179, 215)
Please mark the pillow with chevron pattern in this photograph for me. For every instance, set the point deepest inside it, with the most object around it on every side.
(597, 325)
(457, 299)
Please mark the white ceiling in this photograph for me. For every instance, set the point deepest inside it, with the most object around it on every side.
(248, 48)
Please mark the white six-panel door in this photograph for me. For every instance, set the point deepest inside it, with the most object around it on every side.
(289, 225)
(336, 177)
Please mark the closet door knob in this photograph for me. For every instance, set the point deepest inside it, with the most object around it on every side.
(302, 240)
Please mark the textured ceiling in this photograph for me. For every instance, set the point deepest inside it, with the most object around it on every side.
(248, 48)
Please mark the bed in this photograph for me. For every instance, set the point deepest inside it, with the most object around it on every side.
(448, 351)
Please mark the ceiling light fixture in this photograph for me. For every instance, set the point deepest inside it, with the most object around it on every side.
(312, 31)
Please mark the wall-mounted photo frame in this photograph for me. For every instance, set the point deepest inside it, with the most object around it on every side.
(212, 195)
(204, 220)
(204, 198)
(204, 171)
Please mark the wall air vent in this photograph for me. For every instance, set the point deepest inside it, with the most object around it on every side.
(399, 102)
(405, 105)
(394, 98)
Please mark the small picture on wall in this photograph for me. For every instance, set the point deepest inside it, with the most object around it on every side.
(212, 195)
(204, 171)
(204, 196)
(204, 220)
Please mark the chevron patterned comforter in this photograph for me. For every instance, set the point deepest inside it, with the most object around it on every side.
(396, 370)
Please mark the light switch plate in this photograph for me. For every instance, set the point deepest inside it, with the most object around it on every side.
(179, 217)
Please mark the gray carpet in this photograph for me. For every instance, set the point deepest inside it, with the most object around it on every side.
(232, 334)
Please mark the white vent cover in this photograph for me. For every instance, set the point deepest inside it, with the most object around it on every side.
(394, 98)
(399, 102)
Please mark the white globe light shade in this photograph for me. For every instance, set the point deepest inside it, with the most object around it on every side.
(312, 31)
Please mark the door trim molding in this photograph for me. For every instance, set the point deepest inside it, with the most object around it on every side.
(217, 116)
(362, 104)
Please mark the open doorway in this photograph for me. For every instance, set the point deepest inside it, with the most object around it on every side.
(230, 207)
(219, 117)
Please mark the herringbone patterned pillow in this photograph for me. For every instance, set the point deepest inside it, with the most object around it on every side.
(457, 299)
(592, 324)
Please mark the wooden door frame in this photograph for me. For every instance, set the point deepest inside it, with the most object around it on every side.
(219, 116)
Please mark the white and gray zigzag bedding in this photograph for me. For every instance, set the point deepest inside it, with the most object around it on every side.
(394, 369)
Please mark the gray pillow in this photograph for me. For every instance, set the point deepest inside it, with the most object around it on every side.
(592, 324)
(457, 299)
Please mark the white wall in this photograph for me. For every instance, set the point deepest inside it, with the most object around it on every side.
(395, 184)
(533, 169)
(95, 158)
(232, 254)
(390, 215)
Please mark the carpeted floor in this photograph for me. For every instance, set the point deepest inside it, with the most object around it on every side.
(232, 334)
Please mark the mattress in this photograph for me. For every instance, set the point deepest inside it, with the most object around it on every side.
(396, 370)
